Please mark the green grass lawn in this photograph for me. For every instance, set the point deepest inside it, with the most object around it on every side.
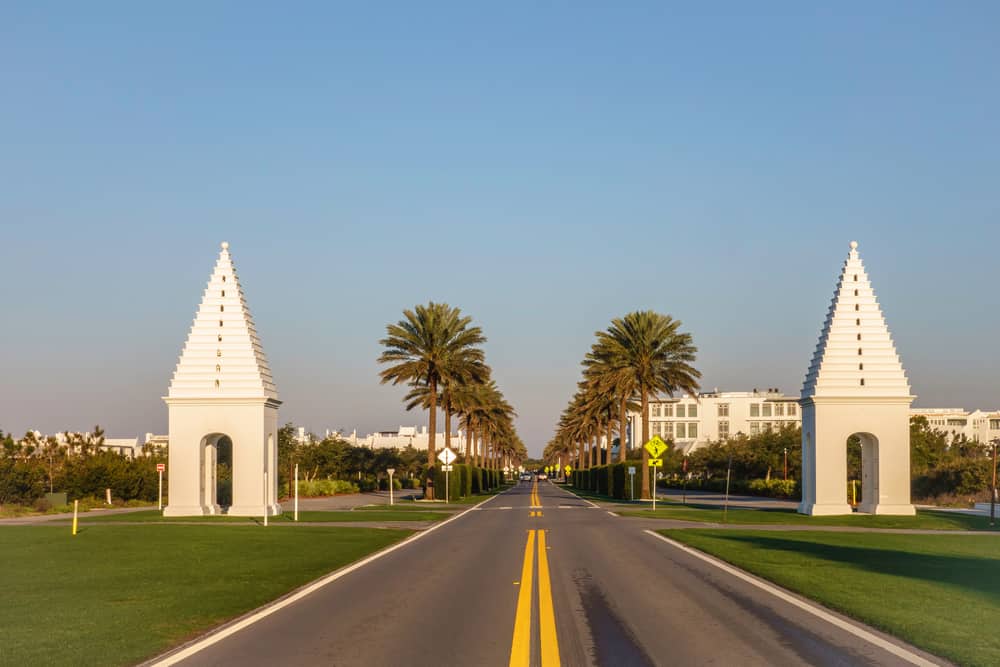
(114, 595)
(938, 592)
(377, 513)
(925, 519)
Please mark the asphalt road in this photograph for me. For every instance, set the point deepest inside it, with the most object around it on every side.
(600, 592)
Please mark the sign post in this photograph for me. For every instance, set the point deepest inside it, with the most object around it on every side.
(655, 447)
(568, 469)
(390, 471)
(160, 467)
(296, 491)
(631, 476)
(447, 456)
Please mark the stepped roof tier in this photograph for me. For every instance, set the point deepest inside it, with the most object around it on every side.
(855, 356)
(223, 357)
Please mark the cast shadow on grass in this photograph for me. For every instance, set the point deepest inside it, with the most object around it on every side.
(972, 573)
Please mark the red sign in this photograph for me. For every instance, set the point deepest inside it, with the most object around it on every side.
(160, 467)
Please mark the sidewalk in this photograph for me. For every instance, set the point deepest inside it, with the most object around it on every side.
(45, 518)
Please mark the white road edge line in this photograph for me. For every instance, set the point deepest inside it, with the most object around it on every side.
(815, 610)
(215, 637)
(612, 513)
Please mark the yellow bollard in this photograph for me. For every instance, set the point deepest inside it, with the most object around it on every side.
(76, 505)
(854, 492)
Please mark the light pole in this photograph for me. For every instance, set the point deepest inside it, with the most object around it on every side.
(786, 464)
(993, 490)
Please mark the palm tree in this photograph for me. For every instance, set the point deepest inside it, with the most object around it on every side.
(648, 350)
(604, 367)
(425, 348)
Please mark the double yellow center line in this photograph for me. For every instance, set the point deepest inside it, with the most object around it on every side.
(520, 648)
(536, 502)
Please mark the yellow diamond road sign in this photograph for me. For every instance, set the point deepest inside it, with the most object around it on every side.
(656, 446)
(655, 463)
(569, 469)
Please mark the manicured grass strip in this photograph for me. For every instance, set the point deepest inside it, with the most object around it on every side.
(115, 595)
(938, 592)
(315, 516)
(924, 520)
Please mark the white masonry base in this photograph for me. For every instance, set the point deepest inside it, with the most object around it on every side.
(254, 510)
(192, 510)
(826, 509)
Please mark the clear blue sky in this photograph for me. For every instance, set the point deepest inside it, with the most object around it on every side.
(544, 167)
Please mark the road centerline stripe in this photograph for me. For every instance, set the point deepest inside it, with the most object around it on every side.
(546, 613)
(520, 647)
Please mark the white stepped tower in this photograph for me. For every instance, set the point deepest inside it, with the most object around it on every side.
(222, 387)
(855, 385)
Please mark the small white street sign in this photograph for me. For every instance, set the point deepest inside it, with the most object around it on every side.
(391, 471)
(447, 467)
(446, 456)
(631, 470)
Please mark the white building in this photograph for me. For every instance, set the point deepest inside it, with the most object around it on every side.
(405, 436)
(977, 425)
(692, 422)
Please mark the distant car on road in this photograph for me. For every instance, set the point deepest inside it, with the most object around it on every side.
(525, 476)
(542, 475)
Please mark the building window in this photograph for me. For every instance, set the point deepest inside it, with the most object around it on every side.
(861, 367)
(656, 428)
(216, 384)
(791, 409)
(223, 292)
(679, 430)
(723, 429)
(220, 338)
(768, 426)
(755, 409)
(855, 292)
(765, 410)
(857, 306)
(859, 336)
(222, 309)
(223, 279)
(995, 424)
(668, 410)
(862, 382)
(693, 430)
(859, 351)
(779, 409)
(680, 410)
(220, 323)
(655, 408)
(754, 428)
(218, 353)
(858, 322)
(668, 429)
(723, 409)
(218, 368)
(692, 410)
(855, 277)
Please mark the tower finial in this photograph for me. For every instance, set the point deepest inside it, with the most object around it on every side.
(225, 245)
(854, 245)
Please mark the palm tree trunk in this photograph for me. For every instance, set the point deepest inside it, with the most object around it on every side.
(468, 443)
(622, 428)
(579, 458)
(447, 419)
(432, 427)
(607, 452)
(645, 439)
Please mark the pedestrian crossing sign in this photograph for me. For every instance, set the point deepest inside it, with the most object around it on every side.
(656, 446)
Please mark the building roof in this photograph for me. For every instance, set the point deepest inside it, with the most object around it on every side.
(855, 356)
(223, 357)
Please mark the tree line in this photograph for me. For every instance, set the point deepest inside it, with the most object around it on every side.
(436, 352)
(641, 355)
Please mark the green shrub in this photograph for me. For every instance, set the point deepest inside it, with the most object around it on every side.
(326, 487)
(773, 488)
